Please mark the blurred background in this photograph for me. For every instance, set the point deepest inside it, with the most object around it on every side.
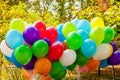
(54, 12)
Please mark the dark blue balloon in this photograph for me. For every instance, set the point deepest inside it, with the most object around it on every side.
(47, 40)
(15, 62)
(76, 21)
(31, 34)
(104, 63)
(30, 65)
(114, 59)
(60, 37)
(59, 28)
(8, 58)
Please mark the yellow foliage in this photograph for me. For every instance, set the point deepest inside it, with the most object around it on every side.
(9, 12)
(19, 11)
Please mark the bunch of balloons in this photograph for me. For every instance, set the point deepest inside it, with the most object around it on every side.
(51, 51)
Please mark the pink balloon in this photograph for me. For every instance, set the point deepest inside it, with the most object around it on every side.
(84, 69)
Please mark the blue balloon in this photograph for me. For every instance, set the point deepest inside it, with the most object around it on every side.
(14, 39)
(15, 62)
(84, 25)
(59, 28)
(88, 48)
(83, 34)
(76, 21)
(104, 63)
(60, 37)
(8, 58)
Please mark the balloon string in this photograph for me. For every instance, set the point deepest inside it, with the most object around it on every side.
(28, 74)
(78, 72)
(35, 76)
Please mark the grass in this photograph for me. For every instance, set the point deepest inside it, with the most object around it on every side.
(13, 73)
(106, 74)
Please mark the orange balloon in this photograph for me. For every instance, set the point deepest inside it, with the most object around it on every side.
(27, 74)
(65, 45)
(92, 64)
(45, 77)
(43, 66)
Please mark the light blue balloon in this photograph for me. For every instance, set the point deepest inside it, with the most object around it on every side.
(60, 37)
(84, 25)
(8, 58)
(15, 62)
(59, 28)
(83, 34)
(88, 48)
(14, 39)
(104, 63)
(76, 21)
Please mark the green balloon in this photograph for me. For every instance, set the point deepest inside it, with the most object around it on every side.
(97, 34)
(72, 67)
(61, 75)
(40, 48)
(56, 69)
(68, 27)
(74, 40)
(81, 59)
(109, 34)
(17, 24)
(23, 54)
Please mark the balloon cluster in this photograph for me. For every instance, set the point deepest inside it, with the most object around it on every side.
(51, 51)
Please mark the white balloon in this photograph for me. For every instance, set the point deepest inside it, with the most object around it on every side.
(68, 57)
(103, 52)
(5, 49)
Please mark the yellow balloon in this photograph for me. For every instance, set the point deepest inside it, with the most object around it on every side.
(17, 24)
(111, 50)
(97, 22)
(103, 51)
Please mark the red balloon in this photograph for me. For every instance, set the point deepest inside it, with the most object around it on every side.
(51, 34)
(41, 28)
(55, 51)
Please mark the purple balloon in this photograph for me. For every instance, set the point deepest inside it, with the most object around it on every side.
(31, 35)
(47, 40)
(30, 65)
(114, 46)
(115, 58)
